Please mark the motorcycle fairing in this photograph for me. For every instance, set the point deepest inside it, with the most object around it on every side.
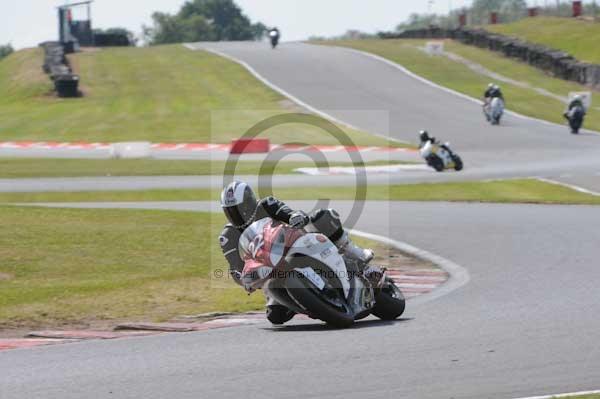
(319, 247)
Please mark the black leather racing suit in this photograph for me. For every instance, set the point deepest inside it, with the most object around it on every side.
(493, 93)
(230, 236)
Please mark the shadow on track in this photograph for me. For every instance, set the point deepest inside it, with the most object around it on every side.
(325, 327)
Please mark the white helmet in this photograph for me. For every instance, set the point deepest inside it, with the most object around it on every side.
(490, 86)
(239, 204)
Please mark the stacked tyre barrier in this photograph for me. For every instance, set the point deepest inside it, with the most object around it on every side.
(556, 62)
(56, 65)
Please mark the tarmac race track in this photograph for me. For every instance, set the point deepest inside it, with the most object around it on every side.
(525, 324)
(377, 97)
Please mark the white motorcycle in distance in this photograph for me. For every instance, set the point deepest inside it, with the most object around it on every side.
(494, 110)
(440, 157)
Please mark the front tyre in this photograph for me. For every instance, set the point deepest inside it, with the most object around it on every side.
(389, 302)
(333, 310)
(458, 163)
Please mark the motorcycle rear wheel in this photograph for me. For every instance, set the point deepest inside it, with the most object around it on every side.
(304, 293)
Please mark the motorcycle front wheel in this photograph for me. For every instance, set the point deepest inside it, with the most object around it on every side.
(458, 163)
(308, 297)
(389, 302)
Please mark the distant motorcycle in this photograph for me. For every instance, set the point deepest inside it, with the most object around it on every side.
(305, 272)
(440, 156)
(494, 110)
(575, 117)
(274, 36)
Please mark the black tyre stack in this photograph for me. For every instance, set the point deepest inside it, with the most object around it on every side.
(66, 83)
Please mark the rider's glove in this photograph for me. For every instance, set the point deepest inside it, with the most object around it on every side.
(299, 219)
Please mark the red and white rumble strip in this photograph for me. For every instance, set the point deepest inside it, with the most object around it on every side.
(412, 282)
(193, 147)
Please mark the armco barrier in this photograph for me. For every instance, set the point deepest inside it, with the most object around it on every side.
(556, 62)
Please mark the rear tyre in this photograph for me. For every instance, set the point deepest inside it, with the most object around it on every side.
(458, 163)
(389, 302)
(308, 297)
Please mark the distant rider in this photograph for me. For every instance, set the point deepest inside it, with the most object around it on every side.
(576, 101)
(241, 208)
(492, 91)
(274, 31)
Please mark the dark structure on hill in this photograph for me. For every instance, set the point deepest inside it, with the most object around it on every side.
(72, 35)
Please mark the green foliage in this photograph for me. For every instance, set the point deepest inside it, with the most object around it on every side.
(6, 50)
(203, 20)
(479, 13)
(118, 31)
(508, 10)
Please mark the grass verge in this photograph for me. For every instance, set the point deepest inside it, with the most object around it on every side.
(461, 78)
(71, 267)
(42, 167)
(501, 191)
(85, 268)
(159, 94)
(577, 37)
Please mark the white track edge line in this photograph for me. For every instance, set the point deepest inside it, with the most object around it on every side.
(290, 96)
(459, 275)
(446, 89)
(567, 185)
(563, 395)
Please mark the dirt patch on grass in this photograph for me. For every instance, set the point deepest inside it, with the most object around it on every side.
(5, 276)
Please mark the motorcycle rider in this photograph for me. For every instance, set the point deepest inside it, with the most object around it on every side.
(274, 36)
(492, 91)
(274, 31)
(577, 101)
(425, 137)
(241, 207)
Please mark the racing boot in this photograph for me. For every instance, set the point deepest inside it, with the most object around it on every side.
(351, 250)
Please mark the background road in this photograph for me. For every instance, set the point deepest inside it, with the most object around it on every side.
(359, 90)
(525, 324)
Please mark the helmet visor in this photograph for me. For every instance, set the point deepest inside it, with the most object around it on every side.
(240, 215)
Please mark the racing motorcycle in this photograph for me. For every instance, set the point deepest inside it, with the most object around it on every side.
(304, 271)
(440, 156)
(274, 36)
(575, 117)
(494, 110)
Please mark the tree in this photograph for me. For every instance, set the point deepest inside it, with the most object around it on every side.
(509, 10)
(6, 50)
(203, 20)
(119, 31)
